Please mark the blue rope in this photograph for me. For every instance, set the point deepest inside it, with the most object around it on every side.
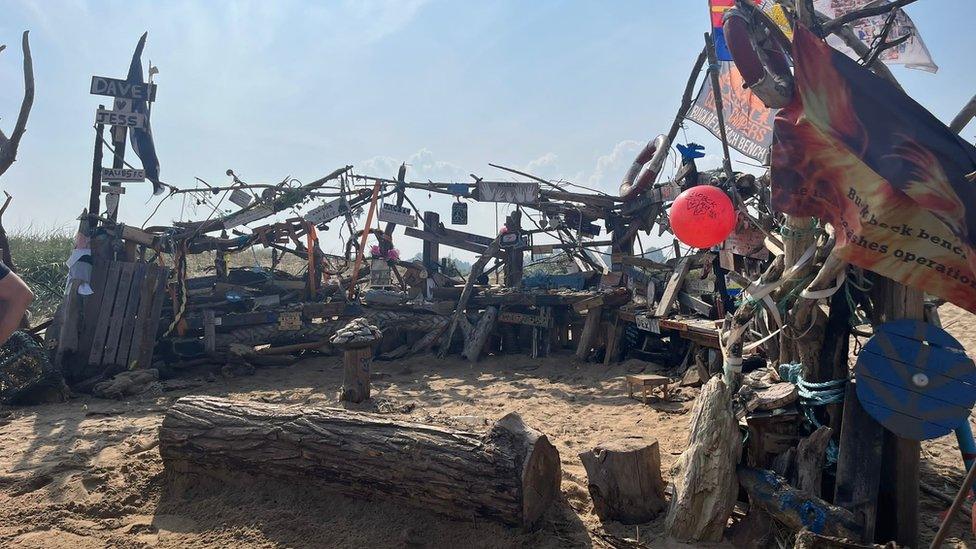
(815, 394)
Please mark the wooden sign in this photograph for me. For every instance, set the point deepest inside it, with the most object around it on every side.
(241, 198)
(538, 321)
(113, 189)
(398, 215)
(459, 213)
(247, 216)
(114, 87)
(512, 193)
(289, 321)
(115, 118)
(698, 286)
(379, 274)
(747, 240)
(327, 212)
(123, 174)
(915, 379)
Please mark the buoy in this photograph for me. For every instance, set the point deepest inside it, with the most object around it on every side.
(702, 216)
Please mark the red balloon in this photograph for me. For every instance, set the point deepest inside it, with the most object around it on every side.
(702, 216)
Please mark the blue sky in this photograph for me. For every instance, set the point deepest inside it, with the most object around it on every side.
(269, 89)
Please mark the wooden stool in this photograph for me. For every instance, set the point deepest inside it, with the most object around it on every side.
(647, 383)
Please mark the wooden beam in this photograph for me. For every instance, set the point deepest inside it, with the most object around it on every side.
(674, 285)
(476, 271)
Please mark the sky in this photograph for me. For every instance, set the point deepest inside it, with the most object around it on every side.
(565, 90)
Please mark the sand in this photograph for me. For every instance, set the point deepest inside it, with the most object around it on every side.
(87, 473)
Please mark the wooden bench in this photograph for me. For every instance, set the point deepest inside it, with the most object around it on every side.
(647, 383)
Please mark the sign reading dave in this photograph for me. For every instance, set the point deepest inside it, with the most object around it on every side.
(114, 87)
(748, 123)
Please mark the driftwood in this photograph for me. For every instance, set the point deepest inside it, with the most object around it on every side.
(624, 479)
(476, 270)
(591, 328)
(475, 336)
(510, 475)
(808, 540)
(795, 508)
(8, 145)
(810, 457)
(705, 485)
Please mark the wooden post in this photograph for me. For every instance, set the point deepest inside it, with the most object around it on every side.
(119, 134)
(355, 373)
(431, 257)
(362, 240)
(590, 328)
(516, 256)
(94, 198)
(717, 93)
(209, 331)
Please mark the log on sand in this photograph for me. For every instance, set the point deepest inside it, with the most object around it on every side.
(510, 475)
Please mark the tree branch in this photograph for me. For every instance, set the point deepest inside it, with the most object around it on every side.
(9, 151)
(835, 24)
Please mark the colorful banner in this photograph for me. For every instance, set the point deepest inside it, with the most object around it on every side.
(717, 9)
(748, 123)
(911, 53)
(895, 183)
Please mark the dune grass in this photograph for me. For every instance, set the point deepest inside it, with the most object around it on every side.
(39, 257)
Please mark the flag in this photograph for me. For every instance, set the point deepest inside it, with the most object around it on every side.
(912, 53)
(894, 182)
(142, 139)
(748, 123)
(717, 8)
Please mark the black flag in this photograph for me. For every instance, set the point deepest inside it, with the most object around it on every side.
(142, 139)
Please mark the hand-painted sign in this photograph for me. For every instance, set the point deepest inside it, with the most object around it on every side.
(241, 198)
(892, 180)
(114, 87)
(512, 193)
(747, 240)
(123, 174)
(748, 123)
(247, 216)
(647, 323)
(115, 118)
(327, 212)
(113, 189)
(459, 213)
(391, 213)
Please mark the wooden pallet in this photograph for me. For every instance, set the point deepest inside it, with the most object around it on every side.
(127, 304)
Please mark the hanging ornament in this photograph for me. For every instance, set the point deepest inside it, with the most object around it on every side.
(459, 213)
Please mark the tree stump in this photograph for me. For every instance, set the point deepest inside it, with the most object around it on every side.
(510, 475)
(704, 476)
(625, 479)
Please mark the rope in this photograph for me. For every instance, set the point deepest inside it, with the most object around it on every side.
(814, 394)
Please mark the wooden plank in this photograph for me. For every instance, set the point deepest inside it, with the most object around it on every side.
(590, 330)
(131, 314)
(91, 305)
(431, 239)
(858, 471)
(118, 314)
(321, 310)
(142, 311)
(431, 249)
(674, 285)
(149, 335)
(695, 304)
(105, 313)
(615, 335)
(209, 331)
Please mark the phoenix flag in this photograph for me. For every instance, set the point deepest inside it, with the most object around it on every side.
(894, 182)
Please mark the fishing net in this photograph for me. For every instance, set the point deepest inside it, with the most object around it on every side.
(25, 367)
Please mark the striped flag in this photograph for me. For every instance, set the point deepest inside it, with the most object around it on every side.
(717, 8)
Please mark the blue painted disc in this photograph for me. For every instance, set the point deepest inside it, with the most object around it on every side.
(915, 379)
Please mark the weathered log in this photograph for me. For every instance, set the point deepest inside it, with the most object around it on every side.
(704, 475)
(808, 540)
(475, 341)
(591, 327)
(796, 509)
(624, 479)
(510, 475)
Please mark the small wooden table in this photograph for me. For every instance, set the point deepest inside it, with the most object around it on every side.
(647, 383)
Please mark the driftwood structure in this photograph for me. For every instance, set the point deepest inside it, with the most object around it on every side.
(510, 475)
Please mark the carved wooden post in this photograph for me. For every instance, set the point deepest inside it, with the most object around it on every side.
(356, 341)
